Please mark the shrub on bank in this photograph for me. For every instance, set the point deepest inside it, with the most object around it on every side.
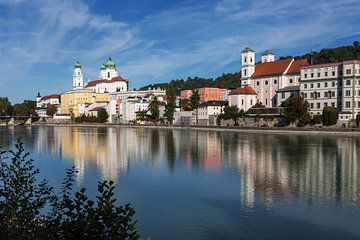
(329, 116)
(316, 119)
(31, 209)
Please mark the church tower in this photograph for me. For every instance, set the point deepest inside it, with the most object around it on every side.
(247, 65)
(267, 56)
(78, 78)
(108, 70)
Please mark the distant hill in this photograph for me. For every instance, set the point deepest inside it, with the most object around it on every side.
(232, 80)
(329, 55)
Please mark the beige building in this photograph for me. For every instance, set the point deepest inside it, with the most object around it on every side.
(74, 102)
(332, 84)
(208, 112)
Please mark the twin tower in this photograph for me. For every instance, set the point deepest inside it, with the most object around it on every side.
(107, 71)
(248, 63)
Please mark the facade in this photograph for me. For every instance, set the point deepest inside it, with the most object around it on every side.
(78, 78)
(286, 93)
(269, 76)
(43, 102)
(119, 107)
(185, 94)
(332, 84)
(244, 98)
(74, 102)
(206, 94)
(208, 112)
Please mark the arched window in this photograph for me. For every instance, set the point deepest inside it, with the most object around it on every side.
(291, 81)
(275, 81)
(266, 82)
(245, 59)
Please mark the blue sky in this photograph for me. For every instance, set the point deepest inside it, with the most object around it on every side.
(157, 40)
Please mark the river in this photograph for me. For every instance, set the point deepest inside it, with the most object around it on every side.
(204, 184)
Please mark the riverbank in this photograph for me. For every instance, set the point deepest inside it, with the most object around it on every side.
(282, 130)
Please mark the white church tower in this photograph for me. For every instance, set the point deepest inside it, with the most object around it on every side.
(267, 56)
(108, 70)
(78, 78)
(247, 65)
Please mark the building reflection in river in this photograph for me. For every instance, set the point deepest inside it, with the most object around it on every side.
(311, 167)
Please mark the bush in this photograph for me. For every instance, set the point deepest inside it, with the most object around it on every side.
(316, 119)
(358, 120)
(30, 209)
(102, 115)
(329, 116)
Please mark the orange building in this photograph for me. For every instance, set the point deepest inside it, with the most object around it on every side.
(206, 94)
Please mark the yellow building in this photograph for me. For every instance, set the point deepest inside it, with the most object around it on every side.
(74, 102)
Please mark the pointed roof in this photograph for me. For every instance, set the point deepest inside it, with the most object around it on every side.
(77, 64)
(102, 66)
(247, 49)
(110, 63)
(267, 52)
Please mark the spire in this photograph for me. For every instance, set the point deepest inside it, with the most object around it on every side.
(77, 64)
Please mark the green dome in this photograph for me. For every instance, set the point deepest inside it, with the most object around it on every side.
(102, 67)
(110, 63)
(77, 65)
(267, 52)
(247, 49)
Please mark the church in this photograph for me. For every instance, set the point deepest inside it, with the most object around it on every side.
(109, 80)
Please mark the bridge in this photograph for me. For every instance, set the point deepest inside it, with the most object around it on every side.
(18, 120)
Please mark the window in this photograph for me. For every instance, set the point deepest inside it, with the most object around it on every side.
(318, 94)
(325, 94)
(311, 95)
(333, 73)
(318, 85)
(305, 85)
(257, 83)
(282, 95)
(291, 81)
(242, 101)
(244, 72)
(347, 104)
(326, 84)
(348, 82)
(333, 84)
(332, 94)
(108, 74)
(358, 104)
(251, 102)
(325, 104)
(318, 105)
(326, 74)
(333, 104)
(275, 81)
(305, 75)
(245, 59)
(348, 93)
(311, 105)
(265, 101)
(318, 74)
(266, 82)
(348, 71)
(305, 95)
(358, 92)
(312, 85)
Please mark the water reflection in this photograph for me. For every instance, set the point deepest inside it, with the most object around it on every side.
(310, 167)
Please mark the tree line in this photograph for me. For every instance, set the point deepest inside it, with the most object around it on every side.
(26, 108)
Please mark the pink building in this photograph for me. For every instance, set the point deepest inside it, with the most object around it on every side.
(206, 94)
(185, 94)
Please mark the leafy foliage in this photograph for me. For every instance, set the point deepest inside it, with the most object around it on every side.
(259, 105)
(102, 115)
(329, 116)
(27, 108)
(154, 110)
(30, 209)
(328, 55)
(51, 110)
(231, 112)
(5, 107)
(358, 120)
(171, 104)
(297, 109)
(316, 119)
(194, 100)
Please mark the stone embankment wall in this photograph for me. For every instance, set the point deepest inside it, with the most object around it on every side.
(252, 122)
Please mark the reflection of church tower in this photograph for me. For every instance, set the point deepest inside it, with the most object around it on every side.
(108, 70)
(78, 79)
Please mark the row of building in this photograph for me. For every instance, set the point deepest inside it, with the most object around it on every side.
(270, 82)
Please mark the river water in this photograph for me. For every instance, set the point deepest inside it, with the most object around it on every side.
(202, 184)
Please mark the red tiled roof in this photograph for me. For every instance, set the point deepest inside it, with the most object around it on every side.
(296, 65)
(114, 79)
(245, 90)
(50, 96)
(271, 68)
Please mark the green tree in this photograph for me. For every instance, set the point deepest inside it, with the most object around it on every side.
(259, 105)
(329, 116)
(185, 105)
(231, 112)
(51, 110)
(154, 109)
(30, 208)
(297, 109)
(27, 108)
(194, 99)
(171, 104)
(358, 120)
(5, 107)
(102, 115)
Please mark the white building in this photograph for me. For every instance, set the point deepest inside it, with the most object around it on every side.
(286, 93)
(244, 98)
(78, 78)
(269, 76)
(43, 102)
(332, 84)
(208, 112)
(119, 106)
